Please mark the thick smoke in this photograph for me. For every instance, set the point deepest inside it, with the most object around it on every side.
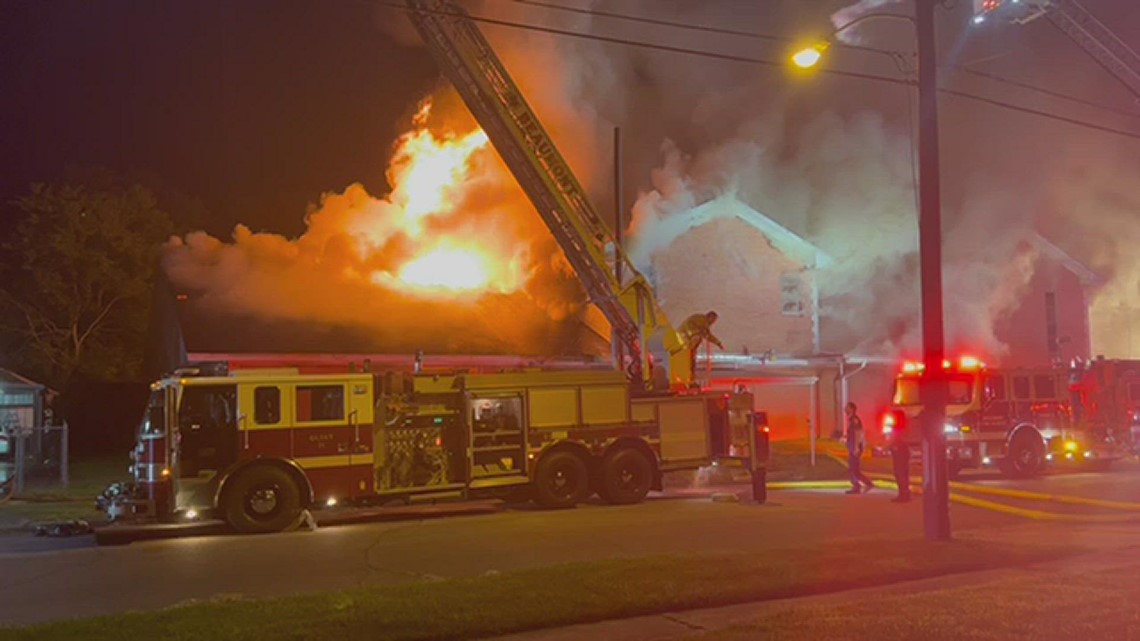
(836, 169)
(1096, 187)
(346, 269)
(846, 185)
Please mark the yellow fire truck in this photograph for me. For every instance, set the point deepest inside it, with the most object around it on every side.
(256, 447)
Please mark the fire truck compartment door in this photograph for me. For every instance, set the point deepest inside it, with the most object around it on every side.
(684, 425)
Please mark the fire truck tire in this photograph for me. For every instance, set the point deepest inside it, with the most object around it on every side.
(625, 477)
(261, 499)
(562, 480)
(1026, 456)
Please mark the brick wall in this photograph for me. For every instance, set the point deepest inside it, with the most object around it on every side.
(731, 267)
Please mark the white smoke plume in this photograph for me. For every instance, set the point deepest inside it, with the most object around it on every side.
(836, 170)
(847, 186)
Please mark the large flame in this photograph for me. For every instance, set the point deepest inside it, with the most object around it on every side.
(433, 175)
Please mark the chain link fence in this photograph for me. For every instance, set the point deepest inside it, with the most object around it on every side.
(32, 455)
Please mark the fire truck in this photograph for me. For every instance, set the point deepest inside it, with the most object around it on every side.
(1107, 399)
(257, 447)
(1017, 420)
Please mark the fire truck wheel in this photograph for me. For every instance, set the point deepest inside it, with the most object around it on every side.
(1026, 456)
(625, 477)
(561, 481)
(261, 499)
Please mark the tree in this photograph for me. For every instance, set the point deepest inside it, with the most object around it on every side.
(75, 278)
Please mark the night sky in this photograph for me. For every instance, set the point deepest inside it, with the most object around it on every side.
(254, 107)
(257, 107)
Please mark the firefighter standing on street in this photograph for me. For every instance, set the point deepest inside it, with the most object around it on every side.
(900, 456)
(856, 443)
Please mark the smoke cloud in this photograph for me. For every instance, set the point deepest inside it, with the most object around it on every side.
(398, 268)
(833, 165)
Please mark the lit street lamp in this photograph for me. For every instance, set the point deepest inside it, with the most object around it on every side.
(808, 57)
(811, 55)
(935, 486)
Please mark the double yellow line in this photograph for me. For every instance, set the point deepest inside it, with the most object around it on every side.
(973, 501)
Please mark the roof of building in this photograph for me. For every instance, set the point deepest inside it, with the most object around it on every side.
(728, 205)
(8, 377)
(1055, 253)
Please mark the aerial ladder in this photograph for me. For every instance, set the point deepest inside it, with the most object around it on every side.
(1082, 27)
(659, 354)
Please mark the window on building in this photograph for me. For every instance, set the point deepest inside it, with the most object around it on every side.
(266, 405)
(1045, 387)
(320, 403)
(17, 399)
(1021, 387)
(792, 294)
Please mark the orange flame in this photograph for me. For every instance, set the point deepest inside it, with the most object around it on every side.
(432, 176)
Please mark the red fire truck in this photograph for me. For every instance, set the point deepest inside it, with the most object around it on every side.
(1107, 399)
(1017, 420)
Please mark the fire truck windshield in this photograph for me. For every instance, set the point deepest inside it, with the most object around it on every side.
(907, 391)
(154, 421)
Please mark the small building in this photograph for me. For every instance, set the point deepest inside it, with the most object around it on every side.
(22, 401)
(22, 406)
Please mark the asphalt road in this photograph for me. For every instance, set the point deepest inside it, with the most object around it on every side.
(46, 579)
(1120, 483)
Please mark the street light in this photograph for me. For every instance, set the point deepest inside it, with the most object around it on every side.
(936, 494)
(812, 54)
(809, 57)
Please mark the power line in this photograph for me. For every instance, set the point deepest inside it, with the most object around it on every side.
(1047, 92)
(691, 27)
(759, 61)
(656, 21)
(1037, 112)
(787, 39)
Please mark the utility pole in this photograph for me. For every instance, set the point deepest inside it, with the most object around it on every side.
(935, 486)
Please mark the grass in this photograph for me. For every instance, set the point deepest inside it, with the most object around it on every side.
(550, 596)
(791, 461)
(1093, 605)
(44, 499)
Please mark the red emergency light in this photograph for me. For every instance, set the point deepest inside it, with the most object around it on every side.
(965, 364)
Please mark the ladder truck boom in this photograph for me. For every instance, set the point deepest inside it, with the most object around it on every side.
(1081, 26)
(514, 129)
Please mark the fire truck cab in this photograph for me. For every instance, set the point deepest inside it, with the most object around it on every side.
(255, 448)
(1015, 420)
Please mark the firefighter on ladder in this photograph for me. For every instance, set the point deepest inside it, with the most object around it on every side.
(696, 329)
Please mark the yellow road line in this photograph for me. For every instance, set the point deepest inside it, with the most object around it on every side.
(1036, 515)
(975, 488)
(1038, 496)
